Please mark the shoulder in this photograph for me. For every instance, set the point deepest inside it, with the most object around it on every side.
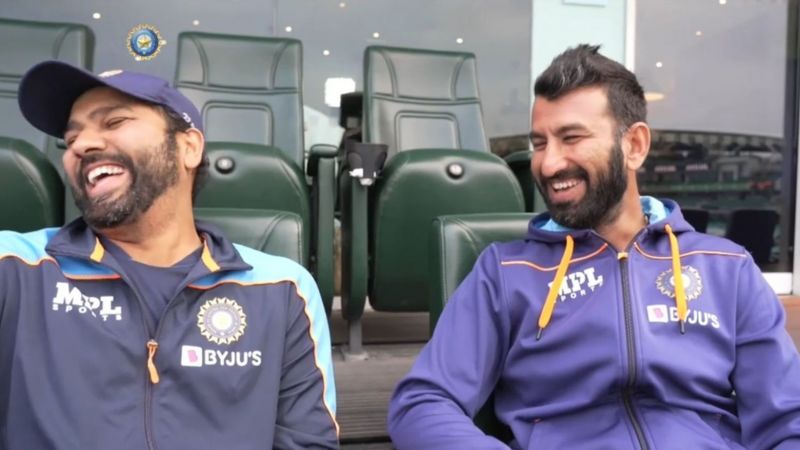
(702, 242)
(28, 247)
(272, 269)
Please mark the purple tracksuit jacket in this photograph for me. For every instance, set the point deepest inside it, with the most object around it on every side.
(612, 369)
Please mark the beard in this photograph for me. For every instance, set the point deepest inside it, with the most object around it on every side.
(601, 201)
(152, 172)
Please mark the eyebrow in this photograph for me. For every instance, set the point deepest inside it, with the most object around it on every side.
(102, 111)
(562, 130)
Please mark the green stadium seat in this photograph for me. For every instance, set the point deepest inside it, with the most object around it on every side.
(31, 191)
(424, 106)
(422, 99)
(249, 91)
(237, 180)
(278, 233)
(457, 241)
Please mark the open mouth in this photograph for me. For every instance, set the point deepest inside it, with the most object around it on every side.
(97, 174)
(564, 191)
(103, 178)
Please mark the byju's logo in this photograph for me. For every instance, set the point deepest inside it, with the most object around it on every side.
(70, 299)
(576, 284)
(666, 314)
(193, 356)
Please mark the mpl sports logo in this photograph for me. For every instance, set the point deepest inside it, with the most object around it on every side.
(575, 284)
(194, 356)
(70, 299)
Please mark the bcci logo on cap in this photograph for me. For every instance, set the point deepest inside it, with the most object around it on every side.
(144, 42)
(221, 320)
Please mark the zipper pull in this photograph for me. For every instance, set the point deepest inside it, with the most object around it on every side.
(152, 346)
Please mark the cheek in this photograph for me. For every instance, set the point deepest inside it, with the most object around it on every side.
(70, 163)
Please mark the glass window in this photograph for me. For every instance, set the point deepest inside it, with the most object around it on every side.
(715, 76)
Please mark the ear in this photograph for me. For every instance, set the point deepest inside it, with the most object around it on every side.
(192, 142)
(637, 141)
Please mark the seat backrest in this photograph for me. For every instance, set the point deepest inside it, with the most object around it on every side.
(31, 191)
(415, 187)
(24, 44)
(278, 233)
(254, 176)
(754, 230)
(456, 243)
(422, 99)
(247, 88)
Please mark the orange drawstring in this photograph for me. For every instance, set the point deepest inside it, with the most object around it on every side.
(550, 302)
(152, 346)
(677, 277)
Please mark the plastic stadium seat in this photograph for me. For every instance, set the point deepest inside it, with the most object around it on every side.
(237, 180)
(31, 192)
(275, 232)
(24, 44)
(248, 90)
(422, 99)
(457, 241)
(424, 106)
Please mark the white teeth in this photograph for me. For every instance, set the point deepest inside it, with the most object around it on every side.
(95, 173)
(562, 185)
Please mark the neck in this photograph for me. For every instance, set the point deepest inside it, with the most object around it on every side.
(626, 221)
(161, 236)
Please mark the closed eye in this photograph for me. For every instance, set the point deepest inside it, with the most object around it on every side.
(114, 122)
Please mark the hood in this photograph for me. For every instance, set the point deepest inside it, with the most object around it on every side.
(543, 228)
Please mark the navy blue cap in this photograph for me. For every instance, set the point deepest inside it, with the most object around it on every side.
(49, 89)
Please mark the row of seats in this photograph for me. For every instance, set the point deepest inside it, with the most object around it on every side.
(421, 137)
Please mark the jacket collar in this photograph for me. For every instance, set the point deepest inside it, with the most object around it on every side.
(659, 212)
(78, 240)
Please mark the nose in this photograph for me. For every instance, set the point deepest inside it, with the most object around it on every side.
(550, 160)
(87, 140)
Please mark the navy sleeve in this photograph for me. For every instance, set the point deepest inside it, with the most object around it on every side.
(456, 371)
(307, 398)
(766, 377)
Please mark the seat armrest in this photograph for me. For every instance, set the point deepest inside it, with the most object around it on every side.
(317, 153)
(322, 167)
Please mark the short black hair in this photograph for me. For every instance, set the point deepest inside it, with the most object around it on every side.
(176, 123)
(583, 66)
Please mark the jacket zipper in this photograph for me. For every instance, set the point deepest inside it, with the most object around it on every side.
(152, 346)
(153, 377)
(626, 392)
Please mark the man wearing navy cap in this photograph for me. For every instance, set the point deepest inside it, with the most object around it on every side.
(135, 326)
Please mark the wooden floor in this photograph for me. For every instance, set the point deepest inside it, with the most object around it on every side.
(363, 388)
(392, 342)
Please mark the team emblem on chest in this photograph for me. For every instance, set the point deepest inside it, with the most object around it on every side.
(692, 282)
(221, 320)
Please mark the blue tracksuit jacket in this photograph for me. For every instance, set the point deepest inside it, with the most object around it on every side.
(240, 358)
(611, 368)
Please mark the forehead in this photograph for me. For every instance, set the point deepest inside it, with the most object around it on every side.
(587, 106)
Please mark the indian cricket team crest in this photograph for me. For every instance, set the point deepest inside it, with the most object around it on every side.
(144, 42)
(221, 320)
(692, 283)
